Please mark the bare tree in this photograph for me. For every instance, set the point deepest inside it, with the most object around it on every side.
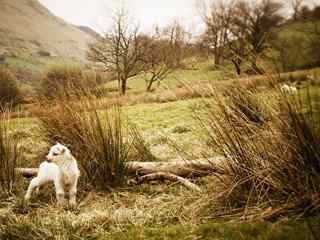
(258, 20)
(237, 45)
(165, 52)
(177, 37)
(240, 30)
(296, 6)
(217, 20)
(120, 50)
(159, 62)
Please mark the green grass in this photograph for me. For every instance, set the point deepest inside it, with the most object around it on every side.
(166, 122)
(63, 228)
(292, 230)
(197, 72)
(33, 64)
(159, 123)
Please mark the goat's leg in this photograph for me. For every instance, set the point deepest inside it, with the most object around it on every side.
(35, 183)
(37, 190)
(73, 193)
(59, 192)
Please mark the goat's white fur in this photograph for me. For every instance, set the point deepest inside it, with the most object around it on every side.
(61, 168)
(287, 89)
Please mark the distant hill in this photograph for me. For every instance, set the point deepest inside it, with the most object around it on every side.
(28, 28)
(89, 31)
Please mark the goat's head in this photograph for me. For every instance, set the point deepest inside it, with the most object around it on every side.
(58, 153)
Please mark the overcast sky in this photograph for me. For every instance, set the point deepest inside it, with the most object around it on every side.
(148, 13)
(95, 13)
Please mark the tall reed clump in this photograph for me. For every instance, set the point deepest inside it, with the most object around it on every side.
(10, 154)
(95, 137)
(273, 157)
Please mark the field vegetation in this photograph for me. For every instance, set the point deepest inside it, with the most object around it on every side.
(217, 98)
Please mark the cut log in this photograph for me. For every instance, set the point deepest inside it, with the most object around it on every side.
(190, 168)
(27, 172)
(170, 177)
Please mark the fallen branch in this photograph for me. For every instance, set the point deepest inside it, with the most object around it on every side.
(27, 172)
(192, 168)
(170, 177)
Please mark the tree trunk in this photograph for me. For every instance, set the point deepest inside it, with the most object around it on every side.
(216, 60)
(123, 86)
(150, 83)
(191, 168)
(237, 65)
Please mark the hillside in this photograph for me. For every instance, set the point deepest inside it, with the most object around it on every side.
(28, 28)
(89, 31)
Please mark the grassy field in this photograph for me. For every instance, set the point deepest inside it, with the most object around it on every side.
(159, 123)
(196, 72)
(161, 210)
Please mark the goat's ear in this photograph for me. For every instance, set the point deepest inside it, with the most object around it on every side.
(63, 150)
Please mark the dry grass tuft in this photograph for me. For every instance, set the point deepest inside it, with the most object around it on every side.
(10, 154)
(273, 159)
(99, 137)
(95, 137)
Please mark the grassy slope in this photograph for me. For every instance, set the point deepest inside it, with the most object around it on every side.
(33, 64)
(298, 35)
(199, 71)
(22, 27)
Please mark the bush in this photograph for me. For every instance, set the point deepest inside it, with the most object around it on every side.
(268, 164)
(61, 81)
(9, 91)
(2, 59)
(44, 53)
(10, 154)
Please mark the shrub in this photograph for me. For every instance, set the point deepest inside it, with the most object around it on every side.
(61, 81)
(44, 53)
(9, 91)
(10, 154)
(274, 163)
(2, 59)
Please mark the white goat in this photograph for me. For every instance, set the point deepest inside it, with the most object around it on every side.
(61, 168)
(287, 89)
